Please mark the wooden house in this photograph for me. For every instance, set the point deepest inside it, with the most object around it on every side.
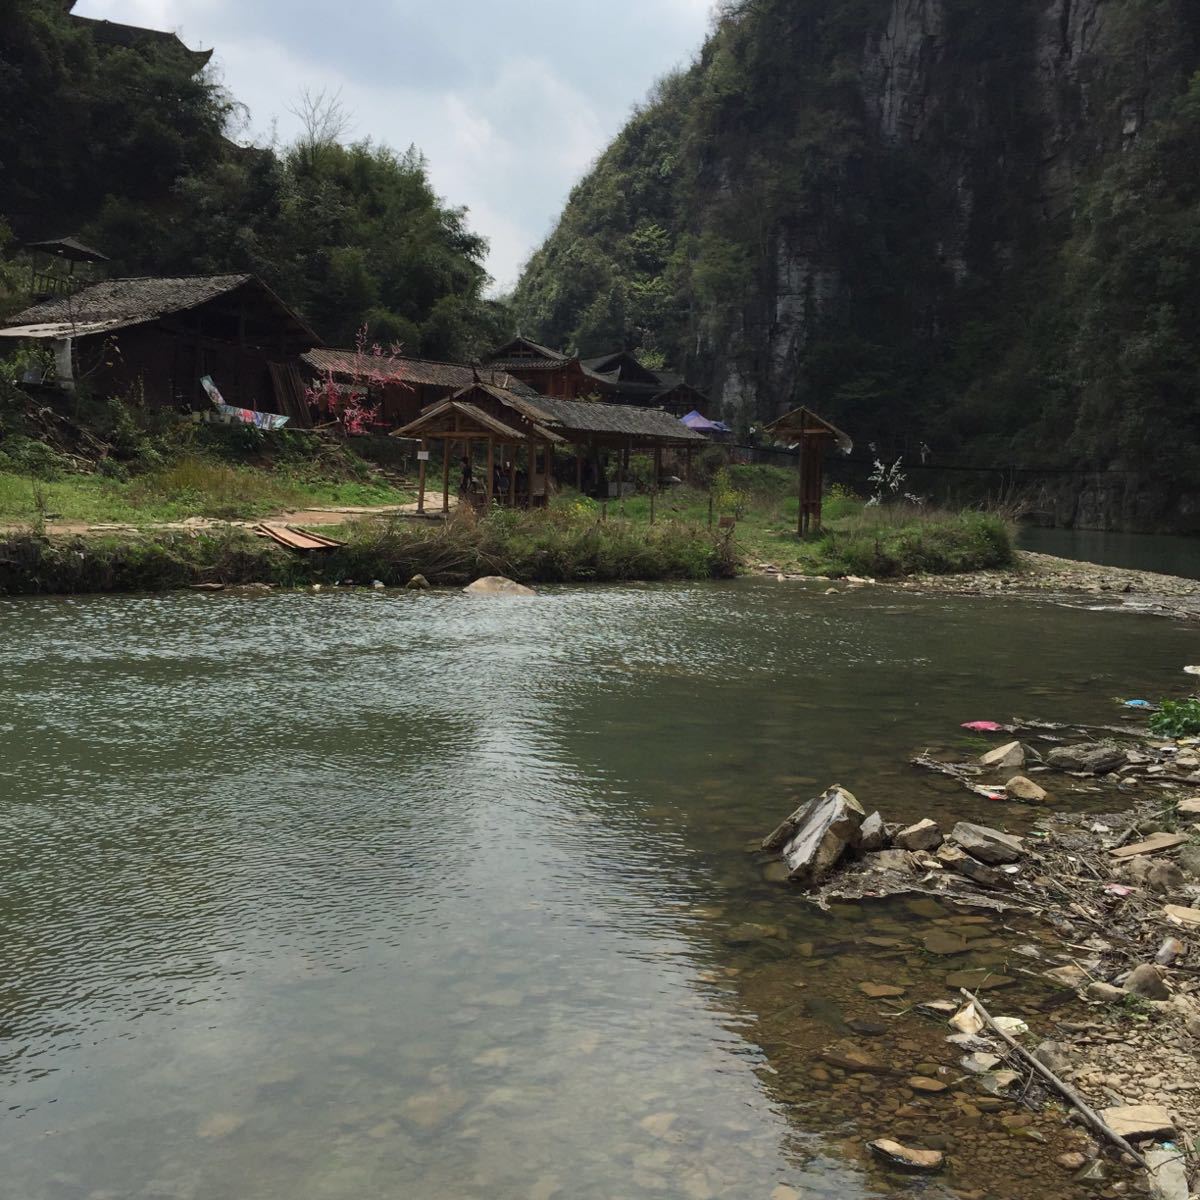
(156, 338)
(547, 371)
(114, 35)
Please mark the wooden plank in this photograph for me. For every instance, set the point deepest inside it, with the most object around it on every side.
(446, 476)
(296, 539)
(491, 471)
(1155, 845)
(421, 473)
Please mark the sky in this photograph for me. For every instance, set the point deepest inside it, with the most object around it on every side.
(510, 101)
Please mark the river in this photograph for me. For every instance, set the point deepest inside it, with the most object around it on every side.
(322, 897)
(1168, 554)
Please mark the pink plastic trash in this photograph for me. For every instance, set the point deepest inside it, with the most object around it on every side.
(983, 726)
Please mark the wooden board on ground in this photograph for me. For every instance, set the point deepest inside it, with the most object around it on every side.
(297, 539)
(1154, 845)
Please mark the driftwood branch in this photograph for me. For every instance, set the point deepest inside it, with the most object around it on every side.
(961, 774)
(1065, 1090)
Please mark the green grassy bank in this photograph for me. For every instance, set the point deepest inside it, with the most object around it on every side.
(570, 544)
(531, 547)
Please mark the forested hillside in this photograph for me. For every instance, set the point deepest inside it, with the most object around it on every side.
(129, 148)
(959, 222)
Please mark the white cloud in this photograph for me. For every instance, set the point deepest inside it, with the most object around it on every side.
(510, 103)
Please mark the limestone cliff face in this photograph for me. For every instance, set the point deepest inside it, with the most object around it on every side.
(867, 206)
(1003, 140)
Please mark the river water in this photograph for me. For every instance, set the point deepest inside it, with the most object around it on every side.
(322, 897)
(1169, 554)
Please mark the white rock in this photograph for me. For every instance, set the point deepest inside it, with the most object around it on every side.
(498, 585)
(1010, 757)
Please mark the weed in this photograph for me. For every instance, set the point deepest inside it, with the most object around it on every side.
(1176, 718)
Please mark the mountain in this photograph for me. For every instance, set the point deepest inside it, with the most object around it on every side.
(123, 136)
(964, 223)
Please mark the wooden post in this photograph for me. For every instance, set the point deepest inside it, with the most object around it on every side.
(687, 466)
(621, 480)
(446, 444)
(491, 470)
(654, 483)
(578, 470)
(549, 470)
(802, 519)
(512, 477)
(421, 472)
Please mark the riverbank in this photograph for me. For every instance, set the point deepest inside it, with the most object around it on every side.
(1039, 575)
(575, 541)
(1093, 1057)
(531, 547)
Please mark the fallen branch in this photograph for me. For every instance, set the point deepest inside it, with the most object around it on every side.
(1065, 1090)
(960, 774)
(1021, 724)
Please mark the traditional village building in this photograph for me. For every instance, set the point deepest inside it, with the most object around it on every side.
(546, 371)
(521, 431)
(158, 338)
(400, 386)
(115, 35)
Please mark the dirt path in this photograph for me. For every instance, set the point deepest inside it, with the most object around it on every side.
(303, 517)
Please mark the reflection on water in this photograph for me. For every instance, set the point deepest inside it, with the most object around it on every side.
(1167, 554)
(335, 896)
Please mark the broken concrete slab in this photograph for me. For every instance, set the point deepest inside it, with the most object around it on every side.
(987, 845)
(1009, 757)
(1139, 1122)
(954, 859)
(893, 860)
(1168, 1175)
(873, 835)
(1184, 916)
(1153, 845)
(924, 835)
(905, 1158)
(1092, 758)
(823, 831)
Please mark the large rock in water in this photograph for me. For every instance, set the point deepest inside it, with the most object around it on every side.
(815, 837)
(988, 845)
(497, 585)
(1091, 757)
(1005, 758)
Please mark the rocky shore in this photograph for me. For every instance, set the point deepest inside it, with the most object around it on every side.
(1101, 1068)
(1041, 575)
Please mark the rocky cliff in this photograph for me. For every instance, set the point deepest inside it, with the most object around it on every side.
(959, 222)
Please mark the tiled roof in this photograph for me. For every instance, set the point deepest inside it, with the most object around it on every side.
(123, 303)
(522, 354)
(580, 416)
(130, 301)
(418, 371)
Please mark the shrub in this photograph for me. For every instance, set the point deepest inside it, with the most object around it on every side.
(1176, 718)
(889, 543)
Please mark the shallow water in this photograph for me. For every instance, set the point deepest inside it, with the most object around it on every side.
(1168, 554)
(331, 896)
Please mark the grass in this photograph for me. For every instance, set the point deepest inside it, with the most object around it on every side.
(538, 547)
(881, 542)
(192, 486)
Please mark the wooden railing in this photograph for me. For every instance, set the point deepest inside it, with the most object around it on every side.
(44, 284)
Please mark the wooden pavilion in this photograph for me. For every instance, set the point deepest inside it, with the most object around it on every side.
(510, 419)
(812, 436)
